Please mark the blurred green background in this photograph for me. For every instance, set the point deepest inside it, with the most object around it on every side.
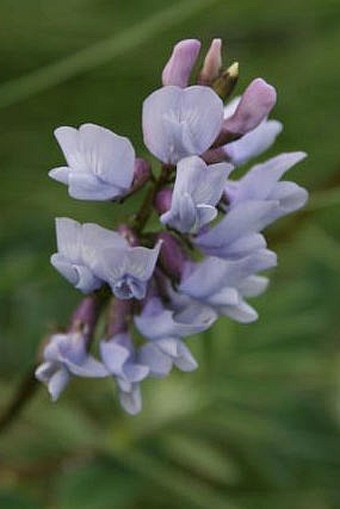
(256, 426)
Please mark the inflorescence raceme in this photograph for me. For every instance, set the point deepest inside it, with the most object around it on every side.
(205, 259)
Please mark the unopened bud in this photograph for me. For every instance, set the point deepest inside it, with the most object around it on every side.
(255, 105)
(163, 200)
(212, 63)
(141, 173)
(225, 84)
(85, 317)
(119, 317)
(183, 58)
(172, 256)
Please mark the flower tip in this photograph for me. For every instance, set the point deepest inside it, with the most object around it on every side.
(212, 63)
(180, 64)
(233, 70)
(265, 92)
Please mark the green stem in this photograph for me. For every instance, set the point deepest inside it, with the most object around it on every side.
(141, 218)
(23, 394)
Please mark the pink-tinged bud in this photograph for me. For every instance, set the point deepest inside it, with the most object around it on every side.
(212, 63)
(141, 173)
(256, 103)
(172, 257)
(119, 316)
(85, 317)
(128, 234)
(163, 200)
(183, 58)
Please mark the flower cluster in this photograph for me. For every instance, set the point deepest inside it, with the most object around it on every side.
(205, 261)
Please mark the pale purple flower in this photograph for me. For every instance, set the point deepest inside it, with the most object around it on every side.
(237, 234)
(126, 269)
(165, 328)
(224, 285)
(88, 255)
(119, 357)
(262, 183)
(100, 164)
(65, 356)
(178, 69)
(181, 122)
(69, 260)
(255, 142)
(197, 190)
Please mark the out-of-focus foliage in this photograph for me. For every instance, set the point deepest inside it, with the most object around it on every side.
(257, 425)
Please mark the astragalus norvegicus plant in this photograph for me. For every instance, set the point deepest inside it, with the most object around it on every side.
(156, 288)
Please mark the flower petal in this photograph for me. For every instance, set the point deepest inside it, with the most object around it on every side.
(131, 401)
(181, 122)
(90, 368)
(158, 363)
(253, 143)
(69, 234)
(58, 382)
(178, 68)
(243, 219)
(260, 181)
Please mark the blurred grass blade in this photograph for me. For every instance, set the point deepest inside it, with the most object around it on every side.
(185, 486)
(22, 88)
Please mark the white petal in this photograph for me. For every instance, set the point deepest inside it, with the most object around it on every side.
(253, 286)
(185, 361)
(58, 382)
(45, 371)
(110, 156)
(260, 181)
(101, 249)
(290, 196)
(114, 356)
(158, 363)
(86, 186)
(60, 174)
(181, 122)
(94, 149)
(141, 261)
(242, 313)
(65, 268)
(69, 234)
(131, 401)
(243, 219)
(90, 368)
(253, 143)
(169, 346)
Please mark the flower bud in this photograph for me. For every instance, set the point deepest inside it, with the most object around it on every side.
(119, 316)
(212, 63)
(172, 256)
(178, 68)
(85, 317)
(225, 84)
(163, 200)
(256, 103)
(141, 173)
